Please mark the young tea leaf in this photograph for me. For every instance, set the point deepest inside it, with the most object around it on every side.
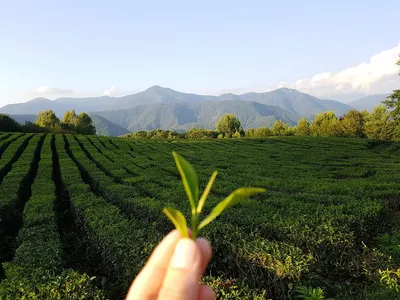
(178, 219)
(189, 179)
(206, 192)
(234, 198)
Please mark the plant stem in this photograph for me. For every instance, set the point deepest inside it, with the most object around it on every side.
(195, 221)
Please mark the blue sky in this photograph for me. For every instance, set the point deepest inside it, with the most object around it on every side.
(77, 48)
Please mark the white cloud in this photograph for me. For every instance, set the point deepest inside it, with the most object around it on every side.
(46, 90)
(115, 92)
(378, 75)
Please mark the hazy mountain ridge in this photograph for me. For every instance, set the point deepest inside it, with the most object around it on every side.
(107, 128)
(21, 119)
(369, 102)
(202, 115)
(288, 99)
(164, 108)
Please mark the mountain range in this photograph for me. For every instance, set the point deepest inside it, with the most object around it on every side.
(183, 116)
(368, 102)
(164, 108)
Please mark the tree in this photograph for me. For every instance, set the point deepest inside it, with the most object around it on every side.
(70, 120)
(236, 135)
(48, 119)
(261, 132)
(85, 124)
(228, 124)
(280, 128)
(201, 133)
(393, 104)
(32, 127)
(352, 124)
(325, 124)
(303, 127)
(8, 124)
(379, 125)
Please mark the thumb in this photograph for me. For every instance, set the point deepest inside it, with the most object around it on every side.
(182, 279)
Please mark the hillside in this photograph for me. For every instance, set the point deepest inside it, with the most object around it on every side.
(201, 115)
(288, 99)
(321, 203)
(157, 94)
(60, 105)
(105, 127)
(297, 102)
(369, 102)
(21, 119)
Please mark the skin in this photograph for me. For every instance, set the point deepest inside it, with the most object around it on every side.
(173, 271)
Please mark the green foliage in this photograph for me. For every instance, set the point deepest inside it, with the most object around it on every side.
(228, 124)
(195, 133)
(389, 244)
(8, 124)
(261, 132)
(70, 118)
(325, 124)
(391, 279)
(155, 134)
(68, 285)
(353, 124)
(280, 128)
(310, 293)
(328, 219)
(191, 185)
(236, 197)
(236, 135)
(178, 219)
(378, 124)
(32, 127)
(85, 125)
(189, 180)
(36, 271)
(48, 119)
(303, 127)
(393, 105)
(232, 289)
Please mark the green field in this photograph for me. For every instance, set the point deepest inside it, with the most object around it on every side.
(75, 205)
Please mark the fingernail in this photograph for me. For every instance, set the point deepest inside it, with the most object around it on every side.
(184, 255)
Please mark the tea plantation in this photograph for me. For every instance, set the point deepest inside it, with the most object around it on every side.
(79, 215)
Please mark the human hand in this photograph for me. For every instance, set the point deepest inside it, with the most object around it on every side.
(173, 271)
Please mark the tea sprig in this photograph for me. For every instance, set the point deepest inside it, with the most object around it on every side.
(191, 184)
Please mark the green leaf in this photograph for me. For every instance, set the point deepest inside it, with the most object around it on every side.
(178, 219)
(234, 198)
(189, 179)
(206, 192)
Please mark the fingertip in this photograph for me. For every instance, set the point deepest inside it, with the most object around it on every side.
(205, 248)
(206, 293)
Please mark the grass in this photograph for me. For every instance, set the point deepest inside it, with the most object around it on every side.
(328, 219)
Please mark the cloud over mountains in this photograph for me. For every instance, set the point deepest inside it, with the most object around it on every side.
(377, 75)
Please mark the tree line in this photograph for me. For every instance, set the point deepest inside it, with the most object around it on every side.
(383, 123)
(47, 121)
(377, 124)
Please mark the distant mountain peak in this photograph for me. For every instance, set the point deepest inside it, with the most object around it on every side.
(39, 99)
(287, 89)
(158, 88)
